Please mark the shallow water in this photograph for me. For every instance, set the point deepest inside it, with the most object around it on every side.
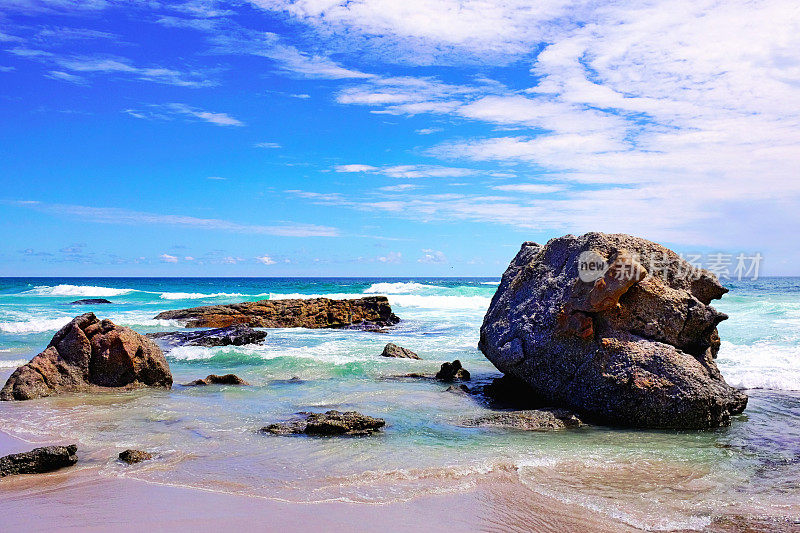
(207, 437)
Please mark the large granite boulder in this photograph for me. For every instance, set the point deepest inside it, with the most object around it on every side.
(629, 339)
(235, 335)
(88, 354)
(38, 460)
(371, 312)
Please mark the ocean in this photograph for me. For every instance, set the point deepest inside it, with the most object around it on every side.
(207, 437)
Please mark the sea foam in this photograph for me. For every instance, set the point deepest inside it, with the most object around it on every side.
(75, 290)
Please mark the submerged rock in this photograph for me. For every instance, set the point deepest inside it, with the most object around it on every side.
(236, 335)
(532, 420)
(88, 301)
(618, 343)
(134, 456)
(393, 350)
(214, 379)
(453, 372)
(38, 460)
(85, 355)
(308, 313)
(331, 423)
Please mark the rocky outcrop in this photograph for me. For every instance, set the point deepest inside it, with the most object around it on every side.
(88, 354)
(236, 335)
(214, 379)
(134, 456)
(38, 460)
(368, 312)
(393, 350)
(533, 420)
(452, 372)
(331, 423)
(90, 301)
(628, 339)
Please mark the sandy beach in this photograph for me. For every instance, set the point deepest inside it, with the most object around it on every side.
(80, 499)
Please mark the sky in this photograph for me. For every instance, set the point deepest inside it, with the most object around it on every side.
(385, 138)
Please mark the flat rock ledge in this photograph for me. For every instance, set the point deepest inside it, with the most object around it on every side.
(134, 456)
(88, 355)
(529, 420)
(371, 312)
(614, 327)
(393, 350)
(330, 423)
(214, 379)
(235, 335)
(39, 460)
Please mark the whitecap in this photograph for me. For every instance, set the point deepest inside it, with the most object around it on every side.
(761, 365)
(13, 363)
(200, 295)
(34, 325)
(409, 287)
(76, 290)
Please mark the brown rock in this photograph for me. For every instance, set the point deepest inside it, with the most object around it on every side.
(453, 372)
(393, 350)
(372, 311)
(331, 423)
(627, 346)
(85, 355)
(134, 456)
(38, 460)
(214, 379)
(532, 420)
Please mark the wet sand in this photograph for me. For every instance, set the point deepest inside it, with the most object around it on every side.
(82, 499)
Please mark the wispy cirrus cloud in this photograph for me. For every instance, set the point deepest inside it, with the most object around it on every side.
(115, 215)
(169, 111)
(409, 171)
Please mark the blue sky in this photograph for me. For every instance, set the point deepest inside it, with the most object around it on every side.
(311, 137)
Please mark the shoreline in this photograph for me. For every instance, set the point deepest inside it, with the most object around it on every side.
(83, 499)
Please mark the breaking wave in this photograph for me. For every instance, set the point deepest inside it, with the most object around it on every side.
(76, 290)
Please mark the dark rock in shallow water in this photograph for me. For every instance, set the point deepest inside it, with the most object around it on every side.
(459, 389)
(88, 301)
(619, 344)
(533, 420)
(508, 391)
(236, 335)
(308, 313)
(393, 350)
(134, 456)
(38, 460)
(85, 355)
(331, 423)
(213, 379)
(452, 372)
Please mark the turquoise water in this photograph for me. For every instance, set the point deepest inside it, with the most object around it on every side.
(207, 437)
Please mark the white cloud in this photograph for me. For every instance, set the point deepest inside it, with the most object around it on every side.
(391, 257)
(400, 187)
(428, 131)
(432, 257)
(220, 119)
(217, 178)
(355, 168)
(532, 188)
(410, 171)
(265, 260)
(169, 111)
(166, 258)
(267, 145)
(115, 215)
(66, 76)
